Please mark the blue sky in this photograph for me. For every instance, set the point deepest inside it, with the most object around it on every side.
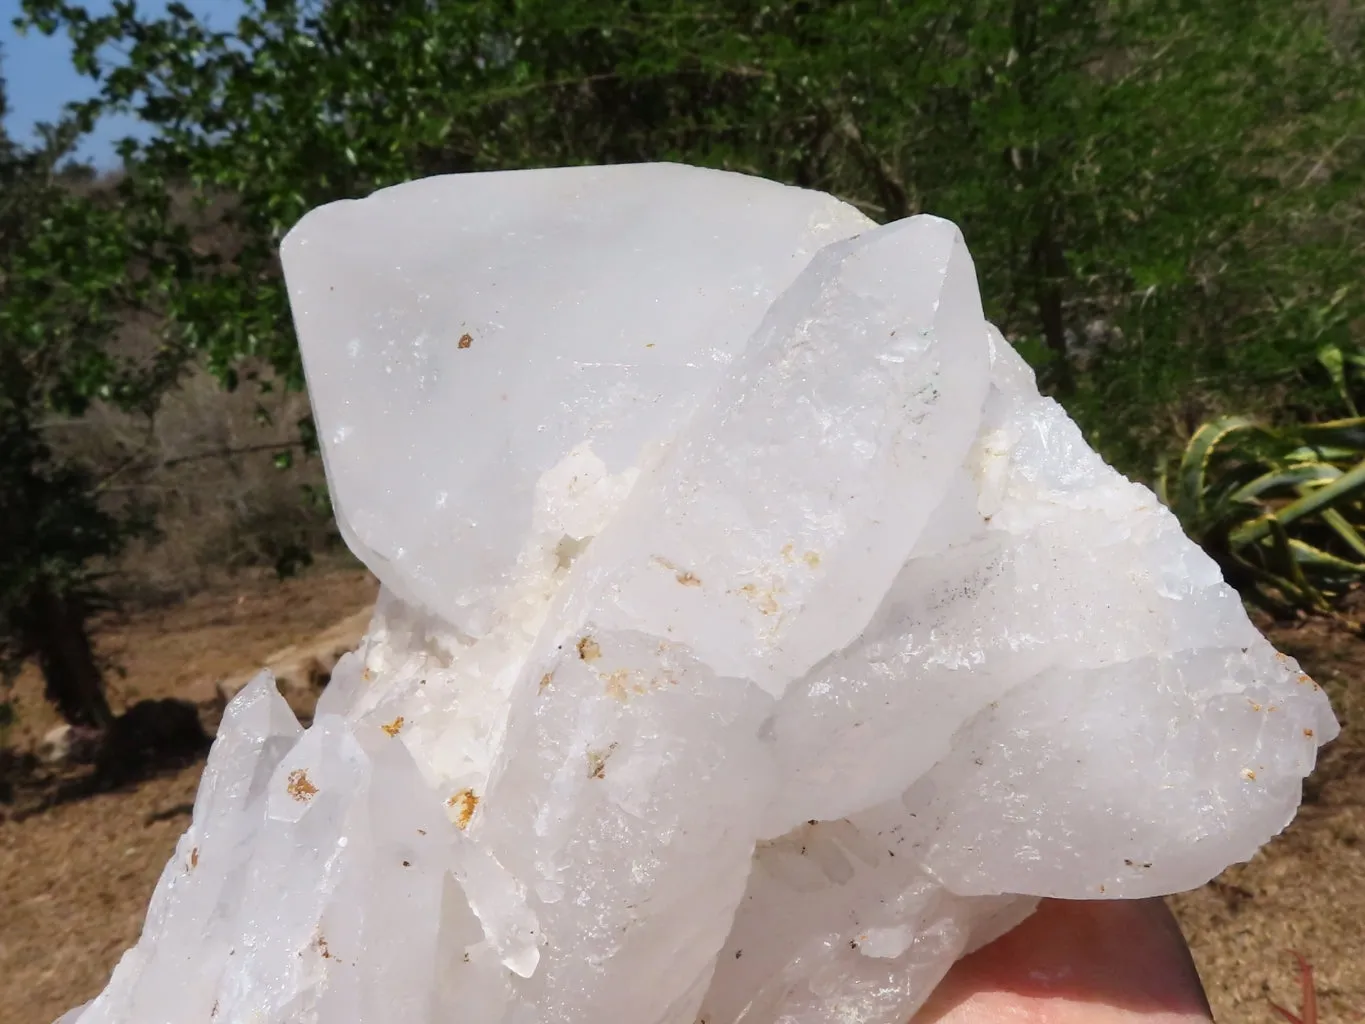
(40, 79)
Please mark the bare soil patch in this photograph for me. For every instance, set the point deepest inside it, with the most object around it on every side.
(76, 875)
(1306, 890)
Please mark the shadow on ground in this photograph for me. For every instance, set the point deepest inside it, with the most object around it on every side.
(156, 736)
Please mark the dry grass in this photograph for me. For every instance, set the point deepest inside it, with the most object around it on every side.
(75, 879)
(75, 886)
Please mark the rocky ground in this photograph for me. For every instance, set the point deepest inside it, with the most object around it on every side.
(78, 862)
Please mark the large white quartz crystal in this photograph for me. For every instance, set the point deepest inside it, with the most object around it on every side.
(754, 641)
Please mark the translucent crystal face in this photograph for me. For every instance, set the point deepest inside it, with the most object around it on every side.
(755, 638)
(461, 342)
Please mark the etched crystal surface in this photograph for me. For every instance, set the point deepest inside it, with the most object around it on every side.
(754, 638)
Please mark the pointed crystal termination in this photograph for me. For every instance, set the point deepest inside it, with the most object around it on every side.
(755, 640)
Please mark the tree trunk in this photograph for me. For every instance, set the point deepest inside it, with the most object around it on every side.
(1049, 272)
(59, 639)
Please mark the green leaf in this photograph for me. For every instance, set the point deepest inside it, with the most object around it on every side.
(1348, 485)
(1343, 529)
(1342, 434)
(1271, 484)
(1286, 564)
(1190, 498)
(1335, 363)
(1310, 557)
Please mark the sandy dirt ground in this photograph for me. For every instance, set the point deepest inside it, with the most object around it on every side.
(76, 872)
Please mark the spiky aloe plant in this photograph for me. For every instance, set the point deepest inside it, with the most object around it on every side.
(1279, 508)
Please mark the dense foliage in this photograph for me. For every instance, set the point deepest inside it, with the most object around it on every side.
(1165, 198)
(65, 277)
(1279, 508)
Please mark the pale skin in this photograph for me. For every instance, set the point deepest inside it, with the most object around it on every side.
(1100, 962)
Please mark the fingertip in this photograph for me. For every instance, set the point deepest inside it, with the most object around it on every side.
(1077, 962)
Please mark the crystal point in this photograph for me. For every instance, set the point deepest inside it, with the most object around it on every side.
(755, 640)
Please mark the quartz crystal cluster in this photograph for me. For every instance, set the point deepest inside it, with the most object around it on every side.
(754, 639)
